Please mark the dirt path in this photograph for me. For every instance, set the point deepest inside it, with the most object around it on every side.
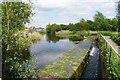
(116, 47)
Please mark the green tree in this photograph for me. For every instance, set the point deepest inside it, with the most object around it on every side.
(91, 24)
(99, 21)
(48, 28)
(53, 28)
(118, 15)
(82, 20)
(114, 23)
(14, 16)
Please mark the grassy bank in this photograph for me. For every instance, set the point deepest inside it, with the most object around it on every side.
(82, 34)
(25, 38)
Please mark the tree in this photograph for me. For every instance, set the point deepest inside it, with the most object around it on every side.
(53, 28)
(82, 20)
(99, 20)
(118, 15)
(91, 24)
(14, 16)
(48, 29)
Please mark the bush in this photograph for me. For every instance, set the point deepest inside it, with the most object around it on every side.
(116, 38)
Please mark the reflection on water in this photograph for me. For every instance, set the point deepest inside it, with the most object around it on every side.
(49, 48)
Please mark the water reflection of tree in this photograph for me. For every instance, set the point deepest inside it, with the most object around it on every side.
(75, 38)
(52, 38)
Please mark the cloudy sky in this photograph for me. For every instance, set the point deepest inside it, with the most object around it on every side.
(69, 11)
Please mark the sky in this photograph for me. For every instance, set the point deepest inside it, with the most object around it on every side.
(69, 11)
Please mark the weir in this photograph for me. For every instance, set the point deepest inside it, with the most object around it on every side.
(71, 64)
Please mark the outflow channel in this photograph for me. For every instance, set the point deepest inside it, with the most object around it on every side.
(92, 69)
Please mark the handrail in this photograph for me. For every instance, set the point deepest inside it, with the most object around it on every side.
(110, 54)
(111, 46)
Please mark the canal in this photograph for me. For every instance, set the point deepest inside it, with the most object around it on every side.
(50, 47)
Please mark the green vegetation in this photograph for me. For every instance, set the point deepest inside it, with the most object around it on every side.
(118, 15)
(63, 32)
(100, 23)
(26, 38)
(16, 59)
(42, 32)
(110, 69)
(116, 38)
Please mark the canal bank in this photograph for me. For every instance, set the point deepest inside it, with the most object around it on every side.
(71, 64)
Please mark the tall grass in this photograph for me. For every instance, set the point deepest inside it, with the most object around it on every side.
(63, 32)
(25, 38)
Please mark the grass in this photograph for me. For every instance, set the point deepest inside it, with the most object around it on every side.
(63, 32)
(25, 38)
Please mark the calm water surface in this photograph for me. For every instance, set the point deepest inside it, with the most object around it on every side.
(49, 48)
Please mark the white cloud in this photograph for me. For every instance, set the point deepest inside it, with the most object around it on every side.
(66, 11)
(110, 17)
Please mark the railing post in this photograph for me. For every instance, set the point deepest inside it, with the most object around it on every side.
(110, 54)
(110, 51)
(106, 44)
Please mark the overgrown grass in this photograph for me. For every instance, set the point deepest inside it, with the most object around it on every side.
(25, 38)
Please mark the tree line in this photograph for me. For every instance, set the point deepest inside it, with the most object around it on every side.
(100, 23)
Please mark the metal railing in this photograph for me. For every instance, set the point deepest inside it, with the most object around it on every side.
(109, 52)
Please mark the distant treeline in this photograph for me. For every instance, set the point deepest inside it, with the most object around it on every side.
(100, 23)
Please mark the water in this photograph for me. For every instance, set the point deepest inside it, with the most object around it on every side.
(92, 69)
(50, 48)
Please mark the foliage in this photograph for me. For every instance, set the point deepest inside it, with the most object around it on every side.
(53, 28)
(106, 33)
(110, 69)
(118, 15)
(15, 57)
(42, 32)
(100, 23)
(63, 32)
(116, 38)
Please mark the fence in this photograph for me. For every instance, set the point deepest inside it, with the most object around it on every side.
(114, 56)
